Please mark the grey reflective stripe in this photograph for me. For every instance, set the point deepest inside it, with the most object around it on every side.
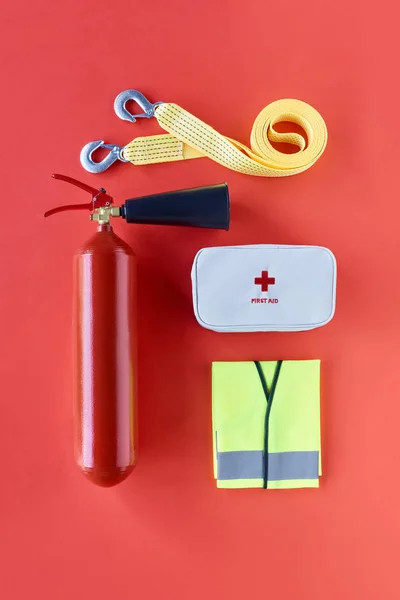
(249, 464)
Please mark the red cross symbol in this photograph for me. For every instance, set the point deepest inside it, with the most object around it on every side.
(264, 281)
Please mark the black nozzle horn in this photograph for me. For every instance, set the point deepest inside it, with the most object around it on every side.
(206, 206)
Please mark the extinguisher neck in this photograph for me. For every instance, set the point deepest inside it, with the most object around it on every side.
(104, 227)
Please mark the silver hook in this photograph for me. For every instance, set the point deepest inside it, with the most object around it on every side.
(123, 113)
(98, 167)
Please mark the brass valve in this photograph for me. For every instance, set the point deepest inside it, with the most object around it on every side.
(102, 215)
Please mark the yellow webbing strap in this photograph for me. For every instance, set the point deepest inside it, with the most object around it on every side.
(189, 137)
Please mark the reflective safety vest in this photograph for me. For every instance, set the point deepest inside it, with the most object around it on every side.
(266, 424)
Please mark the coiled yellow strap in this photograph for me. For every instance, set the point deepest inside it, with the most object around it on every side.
(189, 137)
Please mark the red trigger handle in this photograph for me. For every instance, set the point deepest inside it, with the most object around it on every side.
(99, 197)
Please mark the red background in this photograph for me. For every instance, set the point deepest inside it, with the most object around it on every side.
(167, 532)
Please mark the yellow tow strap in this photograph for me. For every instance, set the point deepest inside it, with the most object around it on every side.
(189, 137)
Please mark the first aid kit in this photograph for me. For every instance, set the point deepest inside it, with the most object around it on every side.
(264, 287)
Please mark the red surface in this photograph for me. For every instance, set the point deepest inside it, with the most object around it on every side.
(167, 532)
(105, 371)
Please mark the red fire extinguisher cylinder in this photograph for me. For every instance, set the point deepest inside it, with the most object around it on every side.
(104, 340)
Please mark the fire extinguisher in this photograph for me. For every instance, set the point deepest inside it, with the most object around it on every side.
(104, 320)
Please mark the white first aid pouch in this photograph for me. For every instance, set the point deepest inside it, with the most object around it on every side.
(264, 287)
